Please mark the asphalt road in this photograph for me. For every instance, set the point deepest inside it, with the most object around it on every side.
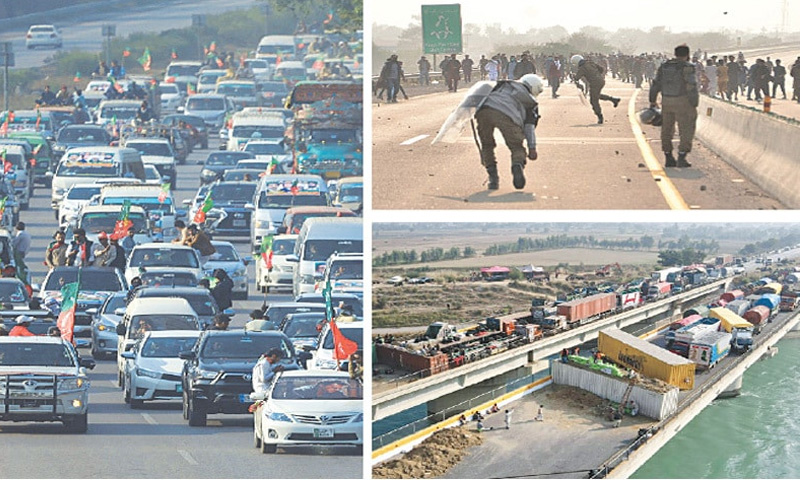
(85, 33)
(154, 442)
(581, 165)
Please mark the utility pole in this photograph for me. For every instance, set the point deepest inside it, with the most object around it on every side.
(7, 59)
(108, 30)
(198, 22)
(267, 9)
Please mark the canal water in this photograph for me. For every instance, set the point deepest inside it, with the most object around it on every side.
(754, 435)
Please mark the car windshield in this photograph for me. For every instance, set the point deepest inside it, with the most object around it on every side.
(142, 324)
(237, 89)
(165, 347)
(303, 327)
(182, 70)
(97, 222)
(82, 135)
(349, 193)
(82, 193)
(13, 292)
(168, 279)
(151, 173)
(242, 175)
(333, 135)
(114, 302)
(121, 112)
(201, 302)
(336, 300)
(88, 164)
(200, 104)
(225, 253)
(154, 148)
(42, 29)
(286, 201)
(256, 63)
(231, 193)
(168, 89)
(278, 87)
(257, 131)
(164, 257)
(347, 270)
(298, 219)
(35, 355)
(290, 72)
(95, 281)
(260, 165)
(13, 159)
(149, 204)
(277, 313)
(283, 246)
(210, 78)
(249, 347)
(265, 148)
(230, 158)
(316, 388)
(320, 250)
(354, 334)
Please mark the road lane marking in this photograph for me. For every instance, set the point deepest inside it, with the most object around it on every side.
(149, 419)
(113, 383)
(415, 139)
(674, 199)
(188, 457)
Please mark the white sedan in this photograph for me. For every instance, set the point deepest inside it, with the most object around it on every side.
(153, 369)
(304, 407)
(43, 36)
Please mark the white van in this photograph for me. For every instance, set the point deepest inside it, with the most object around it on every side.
(90, 164)
(319, 239)
(322, 357)
(159, 205)
(272, 46)
(246, 126)
(144, 315)
(120, 111)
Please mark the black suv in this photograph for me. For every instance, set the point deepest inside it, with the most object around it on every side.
(218, 371)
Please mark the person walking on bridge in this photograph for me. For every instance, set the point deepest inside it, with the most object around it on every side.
(795, 72)
(779, 76)
(594, 75)
(511, 107)
(677, 83)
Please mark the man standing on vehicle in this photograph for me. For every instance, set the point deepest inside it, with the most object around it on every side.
(104, 252)
(198, 240)
(79, 253)
(21, 244)
(21, 328)
(677, 83)
(265, 369)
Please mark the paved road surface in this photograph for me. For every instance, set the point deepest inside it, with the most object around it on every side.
(154, 442)
(581, 165)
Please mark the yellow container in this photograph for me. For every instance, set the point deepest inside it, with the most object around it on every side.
(645, 358)
(728, 319)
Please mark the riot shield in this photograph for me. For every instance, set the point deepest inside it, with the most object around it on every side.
(456, 122)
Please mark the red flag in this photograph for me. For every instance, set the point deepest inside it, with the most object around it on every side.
(121, 228)
(343, 347)
(69, 304)
(295, 188)
(126, 52)
(4, 128)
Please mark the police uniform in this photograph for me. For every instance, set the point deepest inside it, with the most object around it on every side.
(595, 77)
(677, 83)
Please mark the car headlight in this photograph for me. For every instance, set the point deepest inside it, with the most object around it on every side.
(265, 224)
(240, 272)
(207, 374)
(147, 373)
(208, 173)
(58, 192)
(326, 364)
(73, 383)
(279, 417)
(103, 326)
(358, 418)
(307, 279)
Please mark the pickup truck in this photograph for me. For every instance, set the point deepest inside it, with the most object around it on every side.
(42, 379)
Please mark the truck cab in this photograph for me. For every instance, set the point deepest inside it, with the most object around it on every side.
(443, 332)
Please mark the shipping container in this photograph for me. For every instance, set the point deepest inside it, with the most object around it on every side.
(729, 320)
(773, 287)
(576, 311)
(710, 348)
(697, 329)
(685, 321)
(645, 358)
(732, 295)
(659, 290)
(757, 315)
(769, 300)
(701, 310)
(661, 275)
(629, 299)
(738, 306)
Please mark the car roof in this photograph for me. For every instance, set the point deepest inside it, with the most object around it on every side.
(109, 208)
(337, 374)
(315, 209)
(147, 140)
(243, 333)
(172, 291)
(47, 340)
(172, 334)
(162, 245)
(167, 305)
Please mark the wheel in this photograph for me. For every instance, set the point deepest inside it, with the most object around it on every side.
(136, 404)
(266, 289)
(256, 439)
(120, 380)
(127, 395)
(268, 447)
(77, 424)
(56, 213)
(196, 418)
(185, 406)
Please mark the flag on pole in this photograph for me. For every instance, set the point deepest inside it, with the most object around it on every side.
(38, 119)
(4, 128)
(329, 18)
(162, 195)
(190, 89)
(343, 347)
(273, 163)
(126, 52)
(266, 250)
(295, 187)
(3, 207)
(146, 60)
(77, 77)
(212, 47)
(123, 223)
(208, 204)
(69, 304)
(174, 54)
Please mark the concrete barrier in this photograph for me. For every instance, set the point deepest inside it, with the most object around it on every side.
(764, 148)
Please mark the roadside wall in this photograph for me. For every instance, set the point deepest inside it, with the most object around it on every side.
(651, 404)
(762, 147)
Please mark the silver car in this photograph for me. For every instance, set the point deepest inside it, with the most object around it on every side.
(104, 325)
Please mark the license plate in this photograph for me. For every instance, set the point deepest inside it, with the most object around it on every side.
(179, 388)
(30, 404)
(244, 398)
(323, 433)
(240, 223)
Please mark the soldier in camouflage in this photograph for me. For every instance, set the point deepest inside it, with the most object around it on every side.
(677, 82)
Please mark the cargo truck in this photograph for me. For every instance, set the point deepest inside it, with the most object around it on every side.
(758, 316)
(659, 290)
(709, 348)
(789, 301)
(661, 276)
(732, 295)
(723, 260)
(629, 299)
(769, 300)
(738, 306)
(442, 332)
(578, 312)
(738, 327)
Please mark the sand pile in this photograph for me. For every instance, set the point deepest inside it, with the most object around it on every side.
(431, 458)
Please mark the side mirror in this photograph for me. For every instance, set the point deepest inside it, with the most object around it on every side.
(128, 355)
(120, 311)
(180, 109)
(247, 260)
(88, 363)
(187, 355)
(121, 330)
(91, 311)
(249, 206)
(258, 396)
(223, 146)
(292, 258)
(187, 202)
(181, 213)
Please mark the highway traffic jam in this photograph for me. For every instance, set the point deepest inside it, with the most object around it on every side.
(145, 281)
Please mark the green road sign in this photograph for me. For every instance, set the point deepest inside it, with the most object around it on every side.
(441, 28)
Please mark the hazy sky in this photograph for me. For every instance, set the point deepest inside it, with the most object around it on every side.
(677, 15)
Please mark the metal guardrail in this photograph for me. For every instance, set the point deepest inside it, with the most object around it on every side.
(420, 424)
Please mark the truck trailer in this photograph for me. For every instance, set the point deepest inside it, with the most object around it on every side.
(709, 348)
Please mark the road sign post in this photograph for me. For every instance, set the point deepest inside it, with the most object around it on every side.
(108, 31)
(441, 29)
(198, 22)
(7, 57)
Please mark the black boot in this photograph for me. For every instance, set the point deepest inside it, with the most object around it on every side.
(682, 163)
(600, 119)
(670, 160)
(519, 176)
(494, 179)
(616, 101)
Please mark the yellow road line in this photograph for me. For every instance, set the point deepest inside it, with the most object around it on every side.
(671, 195)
